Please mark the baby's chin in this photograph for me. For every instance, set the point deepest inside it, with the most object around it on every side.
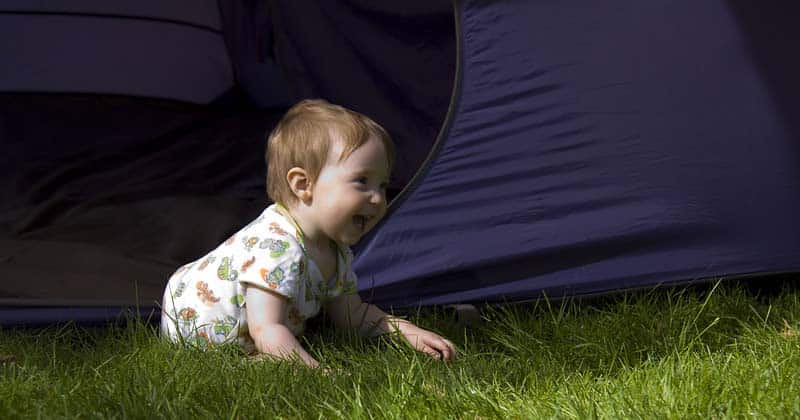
(350, 241)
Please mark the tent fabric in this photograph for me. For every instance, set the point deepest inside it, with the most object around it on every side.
(118, 190)
(124, 48)
(594, 148)
(115, 193)
(248, 37)
(393, 61)
(201, 13)
(585, 148)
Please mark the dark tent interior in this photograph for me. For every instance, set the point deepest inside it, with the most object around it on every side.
(119, 189)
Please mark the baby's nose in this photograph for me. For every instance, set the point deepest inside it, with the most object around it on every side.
(377, 198)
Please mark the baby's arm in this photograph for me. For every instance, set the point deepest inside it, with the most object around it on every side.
(349, 311)
(265, 322)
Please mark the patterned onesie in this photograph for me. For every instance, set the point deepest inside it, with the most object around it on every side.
(204, 301)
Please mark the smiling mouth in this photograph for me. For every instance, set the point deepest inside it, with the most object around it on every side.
(361, 222)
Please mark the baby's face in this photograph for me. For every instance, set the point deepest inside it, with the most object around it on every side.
(349, 197)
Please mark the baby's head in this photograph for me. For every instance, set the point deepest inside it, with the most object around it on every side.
(330, 166)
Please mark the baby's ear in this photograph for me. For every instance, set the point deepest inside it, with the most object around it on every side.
(300, 183)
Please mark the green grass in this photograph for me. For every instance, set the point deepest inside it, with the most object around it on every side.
(664, 353)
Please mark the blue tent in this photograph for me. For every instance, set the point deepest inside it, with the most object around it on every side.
(557, 148)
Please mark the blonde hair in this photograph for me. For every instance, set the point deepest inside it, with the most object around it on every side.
(304, 136)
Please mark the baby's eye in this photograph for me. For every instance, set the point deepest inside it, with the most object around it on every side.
(361, 180)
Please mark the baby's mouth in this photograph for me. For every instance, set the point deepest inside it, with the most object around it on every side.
(361, 222)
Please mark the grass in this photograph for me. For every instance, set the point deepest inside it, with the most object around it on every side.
(664, 353)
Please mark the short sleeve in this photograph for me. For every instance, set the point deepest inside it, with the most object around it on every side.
(274, 262)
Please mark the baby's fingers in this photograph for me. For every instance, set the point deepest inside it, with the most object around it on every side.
(447, 349)
(455, 349)
(444, 349)
(450, 351)
(432, 352)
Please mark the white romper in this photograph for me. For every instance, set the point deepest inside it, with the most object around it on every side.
(204, 300)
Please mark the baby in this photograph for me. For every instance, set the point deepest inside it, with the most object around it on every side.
(328, 168)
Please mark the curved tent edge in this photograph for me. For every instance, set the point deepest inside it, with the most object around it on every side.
(444, 131)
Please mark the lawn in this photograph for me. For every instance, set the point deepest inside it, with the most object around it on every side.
(716, 351)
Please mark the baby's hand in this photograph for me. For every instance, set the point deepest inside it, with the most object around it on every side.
(428, 342)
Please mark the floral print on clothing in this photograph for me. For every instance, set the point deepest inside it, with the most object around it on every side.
(276, 229)
(237, 300)
(179, 290)
(206, 262)
(250, 242)
(273, 278)
(247, 264)
(223, 326)
(187, 314)
(215, 310)
(225, 272)
(276, 247)
(206, 296)
(185, 321)
(276, 275)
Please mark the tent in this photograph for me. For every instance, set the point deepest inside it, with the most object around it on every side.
(551, 148)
